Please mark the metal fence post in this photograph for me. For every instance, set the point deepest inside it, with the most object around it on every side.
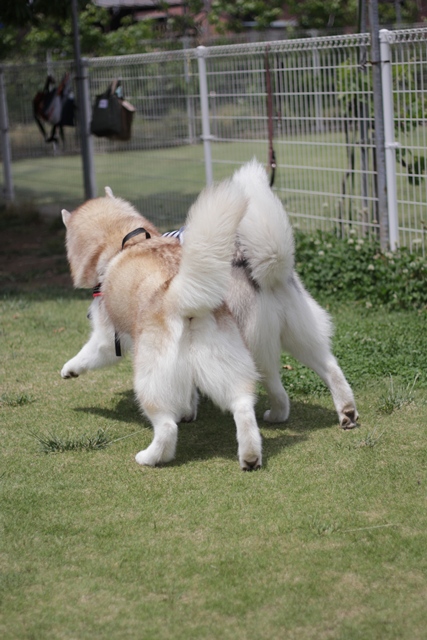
(8, 190)
(188, 96)
(389, 141)
(83, 101)
(89, 175)
(204, 105)
(379, 123)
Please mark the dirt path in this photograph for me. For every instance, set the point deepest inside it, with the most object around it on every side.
(32, 256)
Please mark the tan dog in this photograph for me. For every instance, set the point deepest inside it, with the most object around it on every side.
(267, 300)
(168, 302)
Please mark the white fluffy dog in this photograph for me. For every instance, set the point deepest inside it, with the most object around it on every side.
(199, 315)
(273, 310)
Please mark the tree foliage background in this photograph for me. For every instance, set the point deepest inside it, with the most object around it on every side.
(30, 28)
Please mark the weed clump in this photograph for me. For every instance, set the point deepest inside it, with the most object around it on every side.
(397, 396)
(53, 443)
(16, 399)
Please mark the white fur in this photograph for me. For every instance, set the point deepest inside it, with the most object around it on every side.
(265, 233)
(205, 272)
(215, 361)
(100, 350)
(204, 350)
(282, 315)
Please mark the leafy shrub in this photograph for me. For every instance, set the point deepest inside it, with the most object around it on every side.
(356, 268)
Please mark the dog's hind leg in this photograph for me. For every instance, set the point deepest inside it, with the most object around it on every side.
(267, 351)
(247, 432)
(277, 396)
(224, 371)
(191, 414)
(164, 387)
(326, 366)
(306, 336)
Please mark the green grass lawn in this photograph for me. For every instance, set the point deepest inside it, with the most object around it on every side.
(328, 540)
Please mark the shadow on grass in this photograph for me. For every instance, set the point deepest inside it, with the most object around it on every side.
(126, 410)
(213, 434)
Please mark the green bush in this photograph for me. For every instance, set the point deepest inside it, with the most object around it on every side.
(357, 269)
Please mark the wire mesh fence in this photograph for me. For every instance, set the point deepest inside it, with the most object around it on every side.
(408, 51)
(317, 114)
(161, 168)
(323, 142)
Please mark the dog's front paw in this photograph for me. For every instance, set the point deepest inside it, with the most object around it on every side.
(276, 416)
(250, 455)
(191, 417)
(280, 408)
(251, 462)
(349, 418)
(68, 372)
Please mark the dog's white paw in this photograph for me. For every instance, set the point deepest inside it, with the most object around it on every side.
(250, 462)
(150, 457)
(144, 458)
(190, 417)
(250, 453)
(348, 417)
(274, 416)
(68, 372)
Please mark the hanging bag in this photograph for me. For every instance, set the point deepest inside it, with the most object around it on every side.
(111, 115)
(128, 112)
(54, 105)
(68, 106)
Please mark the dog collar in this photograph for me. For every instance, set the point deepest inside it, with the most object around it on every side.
(96, 291)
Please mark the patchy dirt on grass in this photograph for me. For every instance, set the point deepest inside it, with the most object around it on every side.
(32, 256)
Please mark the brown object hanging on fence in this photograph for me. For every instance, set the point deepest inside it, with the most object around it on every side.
(55, 105)
(112, 115)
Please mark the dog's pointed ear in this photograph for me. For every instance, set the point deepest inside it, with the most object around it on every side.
(109, 193)
(66, 215)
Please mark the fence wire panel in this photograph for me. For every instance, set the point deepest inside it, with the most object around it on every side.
(161, 168)
(321, 101)
(321, 96)
(22, 84)
(409, 76)
(37, 176)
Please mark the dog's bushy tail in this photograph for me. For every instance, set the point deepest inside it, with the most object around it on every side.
(265, 233)
(205, 270)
